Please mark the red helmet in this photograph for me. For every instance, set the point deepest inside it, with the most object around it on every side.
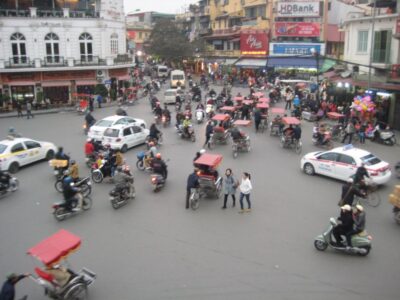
(158, 155)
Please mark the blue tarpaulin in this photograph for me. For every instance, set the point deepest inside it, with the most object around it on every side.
(293, 62)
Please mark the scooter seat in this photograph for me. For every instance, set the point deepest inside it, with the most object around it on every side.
(362, 233)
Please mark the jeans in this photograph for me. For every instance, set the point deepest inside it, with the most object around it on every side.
(350, 137)
(226, 199)
(247, 199)
(362, 137)
(288, 105)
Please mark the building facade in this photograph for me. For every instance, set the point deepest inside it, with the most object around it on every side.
(59, 48)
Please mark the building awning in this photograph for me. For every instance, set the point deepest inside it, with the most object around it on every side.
(251, 63)
(230, 61)
(55, 83)
(327, 64)
(86, 82)
(292, 62)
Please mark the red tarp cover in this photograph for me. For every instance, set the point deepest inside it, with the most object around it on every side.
(263, 100)
(238, 98)
(242, 122)
(278, 110)
(334, 115)
(262, 105)
(228, 108)
(55, 247)
(212, 160)
(220, 117)
(291, 121)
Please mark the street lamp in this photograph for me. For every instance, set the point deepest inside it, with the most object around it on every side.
(316, 54)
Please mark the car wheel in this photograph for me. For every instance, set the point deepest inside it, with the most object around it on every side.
(124, 148)
(49, 155)
(309, 169)
(13, 168)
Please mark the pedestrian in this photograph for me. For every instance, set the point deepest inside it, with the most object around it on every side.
(91, 106)
(245, 190)
(230, 186)
(349, 132)
(257, 118)
(209, 131)
(8, 290)
(349, 190)
(192, 183)
(99, 100)
(289, 98)
(19, 109)
(361, 132)
(29, 110)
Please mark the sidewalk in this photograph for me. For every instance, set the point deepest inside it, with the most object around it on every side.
(14, 114)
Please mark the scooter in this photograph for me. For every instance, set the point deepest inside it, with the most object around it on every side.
(11, 186)
(62, 211)
(158, 181)
(189, 134)
(200, 116)
(84, 184)
(328, 144)
(119, 196)
(361, 243)
(386, 137)
(141, 164)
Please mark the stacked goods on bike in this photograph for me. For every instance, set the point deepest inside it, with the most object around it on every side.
(394, 199)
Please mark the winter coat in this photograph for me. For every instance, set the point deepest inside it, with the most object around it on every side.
(245, 186)
(230, 185)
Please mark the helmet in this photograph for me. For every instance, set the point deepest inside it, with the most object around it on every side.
(202, 151)
(187, 117)
(151, 144)
(67, 180)
(350, 180)
(88, 140)
(126, 168)
(158, 155)
(359, 207)
(73, 161)
(346, 207)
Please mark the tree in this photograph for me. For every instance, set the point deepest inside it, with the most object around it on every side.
(168, 43)
(101, 89)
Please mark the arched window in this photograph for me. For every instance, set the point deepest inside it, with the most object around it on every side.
(52, 48)
(86, 47)
(18, 47)
(114, 43)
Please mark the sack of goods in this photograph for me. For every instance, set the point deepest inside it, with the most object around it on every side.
(394, 198)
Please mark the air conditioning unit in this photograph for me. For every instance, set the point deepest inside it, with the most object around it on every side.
(100, 74)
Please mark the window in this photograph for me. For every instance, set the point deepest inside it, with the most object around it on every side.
(140, 34)
(329, 6)
(18, 48)
(382, 44)
(32, 145)
(17, 147)
(52, 48)
(136, 129)
(130, 121)
(255, 11)
(362, 42)
(346, 159)
(127, 131)
(370, 160)
(104, 123)
(114, 43)
(86, 47)
(111, 132)
(329, 156)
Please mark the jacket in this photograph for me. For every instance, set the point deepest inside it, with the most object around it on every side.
(209, 129)
(89, 148)
(192, 181)
(346, 218)
(245, 186)
(8, 290)
(359, 221)
(350, 128)
(74, 171)
(229, 185)
(119, 160)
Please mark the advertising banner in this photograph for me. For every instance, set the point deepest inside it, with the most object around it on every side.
(298, 9)
(297, 29)
(253, 43)
(279, 49)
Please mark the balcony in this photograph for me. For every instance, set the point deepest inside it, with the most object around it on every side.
(205, 31)
(89, 60)
(54, 61)
(19, 62)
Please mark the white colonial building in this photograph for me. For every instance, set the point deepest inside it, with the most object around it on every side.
(61, 47)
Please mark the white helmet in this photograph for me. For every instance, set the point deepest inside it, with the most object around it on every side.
(202, 151)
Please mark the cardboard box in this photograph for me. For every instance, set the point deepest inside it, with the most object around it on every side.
(394, 200)
(396, 190)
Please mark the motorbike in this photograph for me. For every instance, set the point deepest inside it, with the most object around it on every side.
(165, 120)
(196, 97)
(157, 119)
(328, 144)
(361, 243)
(157, 142)
(157, 181)
(386, 137)
(11, 186)
(186, 134)
(141, 163)
(119, 196)
(100, 172)
(62, 211)
(210, 111)
(199, 116)
(84, 184)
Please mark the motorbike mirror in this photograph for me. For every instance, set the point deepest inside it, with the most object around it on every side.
(332, 221)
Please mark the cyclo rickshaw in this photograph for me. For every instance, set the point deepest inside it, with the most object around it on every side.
(241, 144)
(220, 134)
(210, 183)
(263, 107)
(276, 124)
(59, 282)
(230, 110)
(287, 140)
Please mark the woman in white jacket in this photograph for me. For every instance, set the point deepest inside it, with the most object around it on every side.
(245, 190)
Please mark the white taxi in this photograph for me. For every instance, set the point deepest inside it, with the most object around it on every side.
(124, 137)
(97, 130)
(17, 152)
(342, 162)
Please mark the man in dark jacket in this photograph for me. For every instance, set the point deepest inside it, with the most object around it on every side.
(257, 118)
(361, 173)
(345, 226)
(192, 183)
(209, 131)
(8, 289)
(349, 190)
(359, 223)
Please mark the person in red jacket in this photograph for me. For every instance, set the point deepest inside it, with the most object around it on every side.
(89, 148)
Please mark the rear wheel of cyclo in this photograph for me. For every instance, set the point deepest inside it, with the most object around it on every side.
(373, 199)
(76, 292)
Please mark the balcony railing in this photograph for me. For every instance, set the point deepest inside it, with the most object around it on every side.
(19, 62)
(381, 56)
(88, 60)
(54, 61)
(49, 13)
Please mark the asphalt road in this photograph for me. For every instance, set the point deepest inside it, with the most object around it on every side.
(155, 249)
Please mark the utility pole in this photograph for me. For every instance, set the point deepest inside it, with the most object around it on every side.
(371, 51)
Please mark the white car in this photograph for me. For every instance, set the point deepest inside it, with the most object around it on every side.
(124, 137)
(97, 130)
(342, 162)
(17, 152)
(170, 96)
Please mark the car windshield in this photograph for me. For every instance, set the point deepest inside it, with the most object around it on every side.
(370, 160)
(162, 70)
(110, 132)
(2, 148)
(104, 123)
(170, 93)
(177, 77)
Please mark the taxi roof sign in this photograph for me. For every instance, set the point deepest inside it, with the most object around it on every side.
(348, 147)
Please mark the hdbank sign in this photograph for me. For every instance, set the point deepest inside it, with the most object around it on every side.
(298, 9)
(295, 48)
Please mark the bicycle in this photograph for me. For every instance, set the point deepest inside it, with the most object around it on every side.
(372, 197)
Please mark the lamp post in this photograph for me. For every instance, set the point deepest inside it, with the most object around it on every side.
(316, 54)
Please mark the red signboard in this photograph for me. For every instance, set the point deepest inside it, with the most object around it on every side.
(297, 29)
(253, 43)
(131, 34)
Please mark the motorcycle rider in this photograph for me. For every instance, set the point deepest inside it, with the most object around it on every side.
(166, 113)
(119, 159)
(151, 153)
(359, 223)
(4, 180)
(154, 133)
(158, 111)
(124, 180)
(61, 155)
(74, 171)
(212, 93)
(186, 124)
(178, 101)
(89, 148)
(71, 194)
(180, 116)
(192, 183)
(159, 166)
(345, 226)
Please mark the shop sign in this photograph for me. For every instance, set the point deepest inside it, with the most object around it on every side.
(69, 75)
(253, 43)
(131, 34)
(117, 72)
(297, 29)
(298, 9)
(295, 48)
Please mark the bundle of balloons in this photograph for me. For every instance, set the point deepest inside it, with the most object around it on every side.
(363, 104)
